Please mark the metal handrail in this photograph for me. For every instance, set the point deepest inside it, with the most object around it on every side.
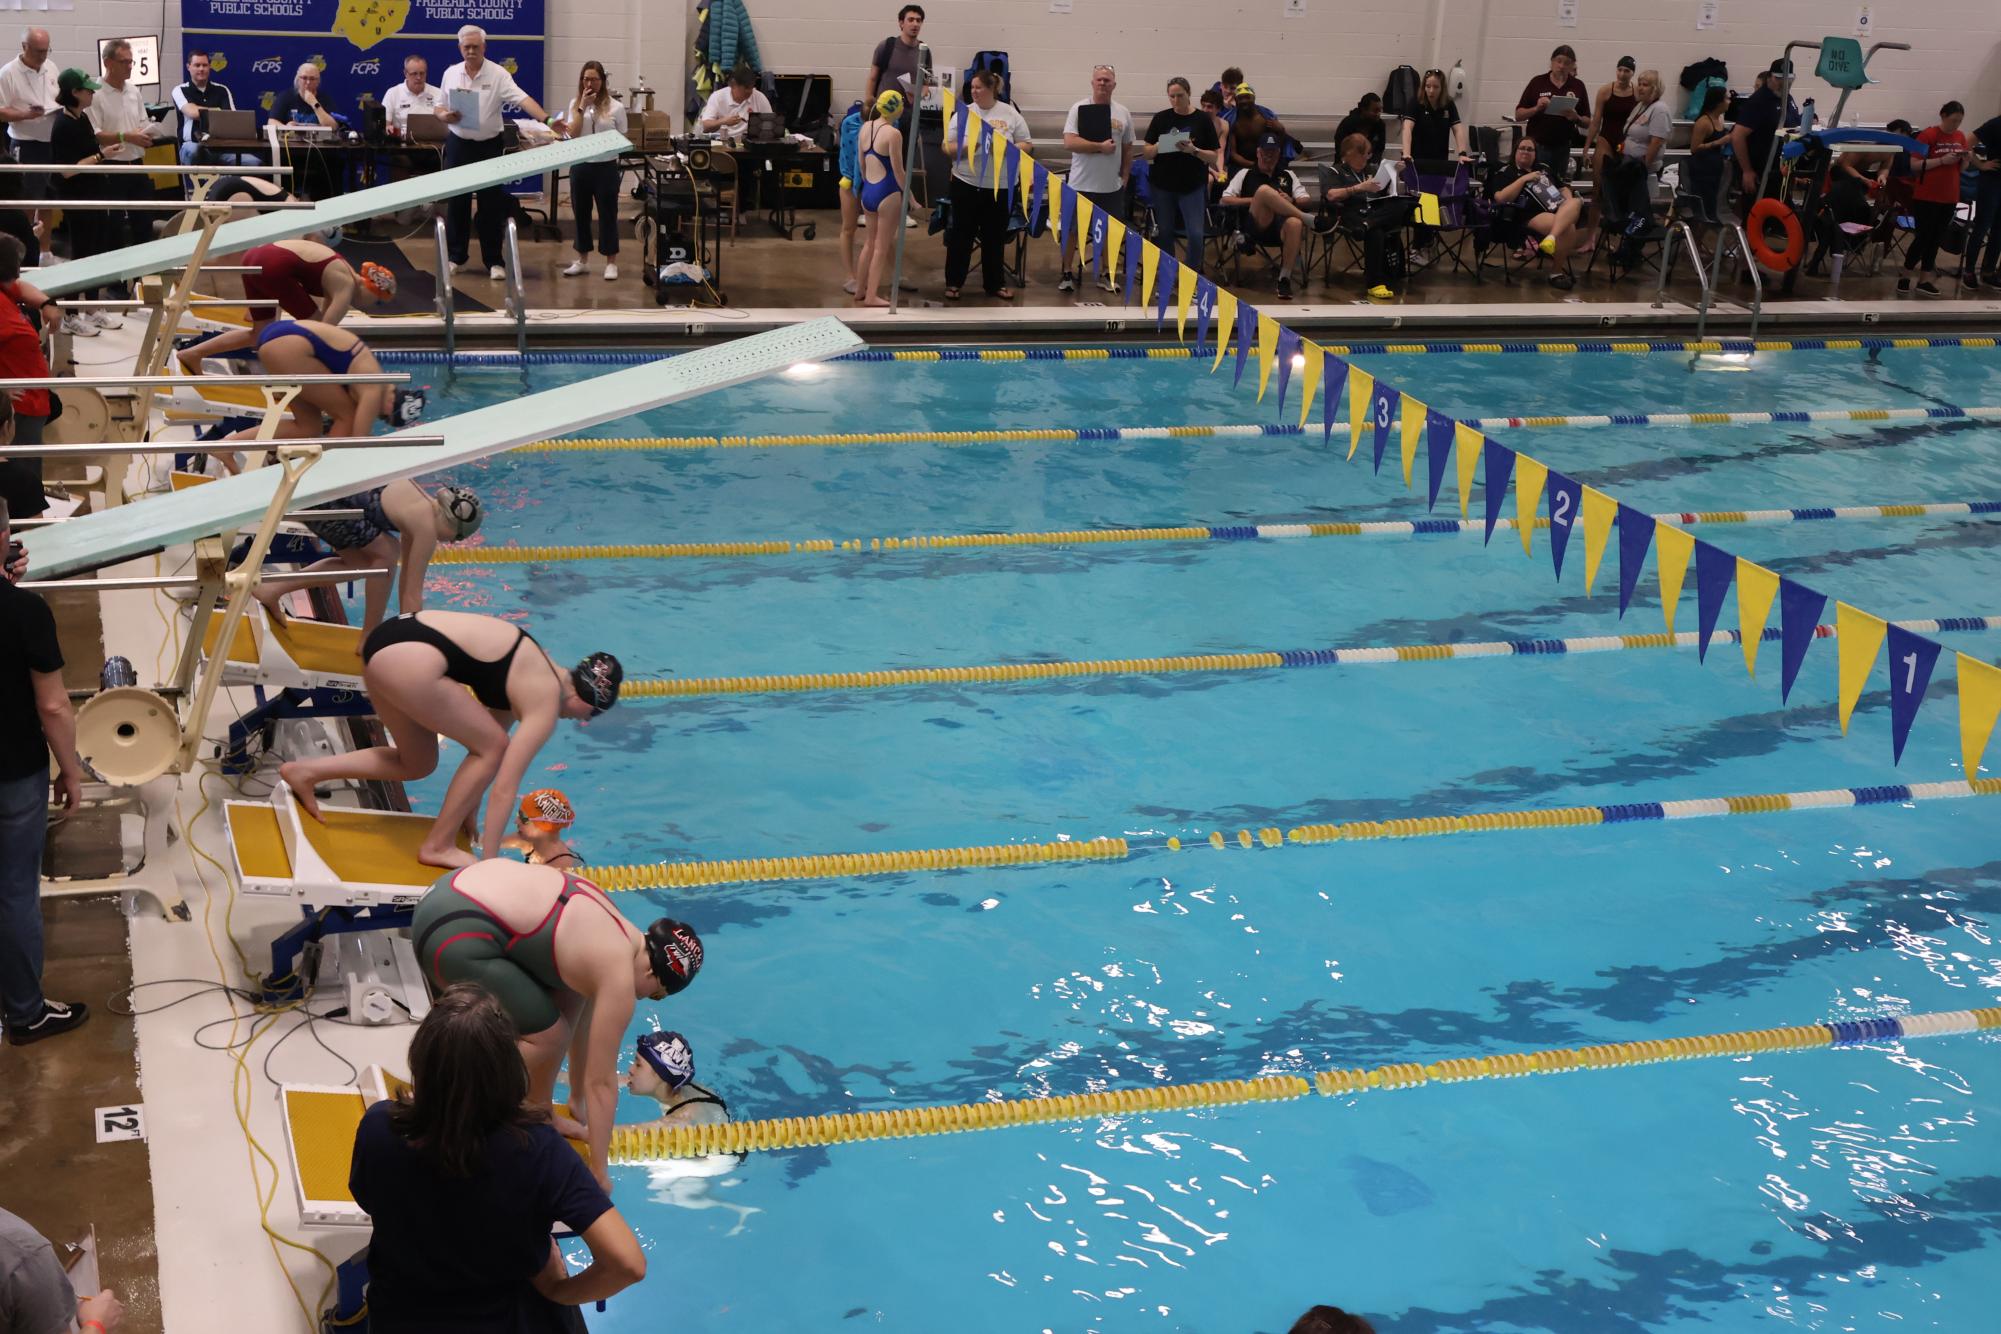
(256, 303)
(156, 205)
(517, 295)
(125, 583)
(220, 446)
(445, 311)
(147, 168)
(297, 516)
(16, 384)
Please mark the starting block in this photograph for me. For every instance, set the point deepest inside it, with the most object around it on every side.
(356, 878)
(306, 655)
(320, 1123)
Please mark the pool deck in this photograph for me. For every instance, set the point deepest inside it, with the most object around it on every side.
(771, 281)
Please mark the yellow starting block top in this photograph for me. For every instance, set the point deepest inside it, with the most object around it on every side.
(181, 481)
(349, 857)
(301, 652)
(320, 1125)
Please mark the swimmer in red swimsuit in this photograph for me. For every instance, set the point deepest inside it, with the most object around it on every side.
(309, 281)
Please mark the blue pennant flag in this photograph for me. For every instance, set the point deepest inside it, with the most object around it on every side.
(1500, 467)
(1133, 245)
(1011, 167)
(1439, 432)
(1205, 310)
(959, 122)
(1636, 534)
(1100, 224)
(1166, 280)
(1038, 195)
(1382, 414)
(1566, 499)
(1067, 220)
(1247, 320)
(1333, 379)
(1715, 571)
(983, 157)
(1911, 660)
(1288, 348)
(1799, 613)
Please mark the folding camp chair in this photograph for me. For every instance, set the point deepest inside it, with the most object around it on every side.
(1454, 188)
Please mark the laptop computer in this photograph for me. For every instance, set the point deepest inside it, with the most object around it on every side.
(222, 123)
(423, 127)
(765, 127)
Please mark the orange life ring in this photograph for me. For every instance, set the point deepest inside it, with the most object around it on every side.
(1764, 213)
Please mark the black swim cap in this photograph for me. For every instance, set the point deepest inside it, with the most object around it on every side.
(675, 953)
(597, 680)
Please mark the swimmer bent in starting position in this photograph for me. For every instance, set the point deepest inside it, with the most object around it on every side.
(566, 965)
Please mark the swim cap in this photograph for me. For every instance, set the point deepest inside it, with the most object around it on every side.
(378, 279)
(675, 953)
(1244, 90)
(548, 806)
(889, 105)
(406, 407)
(462, 507)
(670, 1056)
(597, 679)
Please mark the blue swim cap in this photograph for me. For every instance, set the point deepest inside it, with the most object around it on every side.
(406, 407)
(670, 1056)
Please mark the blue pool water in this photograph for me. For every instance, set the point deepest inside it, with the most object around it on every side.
(1828, 1190)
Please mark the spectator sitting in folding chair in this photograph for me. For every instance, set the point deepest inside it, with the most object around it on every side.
(1536, 201)
(1271, 198)
(1354, 198)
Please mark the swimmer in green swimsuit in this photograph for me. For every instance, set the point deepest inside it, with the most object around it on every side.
(565, 964)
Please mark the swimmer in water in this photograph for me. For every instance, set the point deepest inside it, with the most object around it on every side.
(538, 835)
(663, 1068)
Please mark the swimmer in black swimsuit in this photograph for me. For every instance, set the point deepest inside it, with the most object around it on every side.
(663, 1068)
(416, 670)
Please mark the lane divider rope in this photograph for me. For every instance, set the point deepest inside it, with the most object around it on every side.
(688, 687)
(844, 865)
(641, 1144)
(1237, 431)
(1251, 532)
(1141, 352)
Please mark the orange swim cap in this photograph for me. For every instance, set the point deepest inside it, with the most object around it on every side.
(548, 806)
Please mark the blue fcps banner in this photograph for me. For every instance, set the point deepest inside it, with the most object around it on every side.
(359, 45)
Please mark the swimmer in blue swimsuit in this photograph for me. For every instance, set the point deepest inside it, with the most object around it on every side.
(310, 347)
(400, 525)
(879, 167)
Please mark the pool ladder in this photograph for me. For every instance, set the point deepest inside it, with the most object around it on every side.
(517, 295)
(444, 297)
(1691, 211)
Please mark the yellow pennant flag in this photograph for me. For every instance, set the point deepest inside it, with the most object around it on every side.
(1979, 704)
(1115, 245)
(1672, 548)
(1756, 587)
(1149, 265)
(1267, 351)
(1468, 445)
(1858, 638)
(1529, 477)
(1226, 322)
(1184, 297)
(1085, 208)
(1413, 433)
(1599, 512)
(1309, 379)
(997, 157)
(1361, 390)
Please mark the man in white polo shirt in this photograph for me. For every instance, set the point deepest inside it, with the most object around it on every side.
(476, 138)
(118, 114)
(28, 105)
(415, 93)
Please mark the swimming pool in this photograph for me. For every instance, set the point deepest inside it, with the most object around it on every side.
(1824, 1191)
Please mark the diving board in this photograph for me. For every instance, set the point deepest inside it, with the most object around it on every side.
(151, 257)
(221, 506)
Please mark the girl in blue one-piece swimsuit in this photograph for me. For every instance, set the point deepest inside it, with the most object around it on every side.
(880, 186)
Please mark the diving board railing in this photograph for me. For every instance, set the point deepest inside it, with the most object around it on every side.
(152, 257)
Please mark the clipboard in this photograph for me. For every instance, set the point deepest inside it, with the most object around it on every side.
(1560, 106)
(1094, 121)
